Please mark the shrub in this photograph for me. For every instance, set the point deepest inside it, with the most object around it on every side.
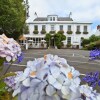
(69, 32)
(85, 42)
(69, 45)
(91, 46)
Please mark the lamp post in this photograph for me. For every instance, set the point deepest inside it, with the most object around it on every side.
(27, 8)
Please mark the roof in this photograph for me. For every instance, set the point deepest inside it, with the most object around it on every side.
(65, 19)
(59, 19)
(40, 19)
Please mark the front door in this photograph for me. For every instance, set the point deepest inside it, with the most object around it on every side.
(52, 43)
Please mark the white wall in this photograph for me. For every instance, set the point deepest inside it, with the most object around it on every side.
(74, 37)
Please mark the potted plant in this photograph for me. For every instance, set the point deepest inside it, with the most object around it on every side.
(85, 32)
(52, 32)
(43, 31)
(35, 31)
(69, 32)
(78, 32)
(61, 32)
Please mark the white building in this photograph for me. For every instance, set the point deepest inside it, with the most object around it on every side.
(74, 31)
(98, 31)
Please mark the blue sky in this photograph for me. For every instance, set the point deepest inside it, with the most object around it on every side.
(82, 10)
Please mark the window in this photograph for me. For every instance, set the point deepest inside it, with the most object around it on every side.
(69, 40)
(52, 28)
(61, 27)
(50, 18)
(78, 28)
(53, 18)
(43, 27)
(69, 27)
(35, 27)
(85, 28)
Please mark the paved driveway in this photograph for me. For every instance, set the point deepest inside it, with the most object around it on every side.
(76, 58)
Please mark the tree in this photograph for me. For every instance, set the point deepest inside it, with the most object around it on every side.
(12, 17)
(48, 39)
(94, 38)
(85, 42)
(58, 39)
(26, 29)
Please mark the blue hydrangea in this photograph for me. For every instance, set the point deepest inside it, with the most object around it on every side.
(92, 78)
(94, 54)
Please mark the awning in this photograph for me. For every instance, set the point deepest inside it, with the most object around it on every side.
(22, 37)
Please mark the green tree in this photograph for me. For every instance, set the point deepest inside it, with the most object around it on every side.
(48, 39)
(58, 39)
(12, 17)
(85, 42)
(26, 29)
(94, 38)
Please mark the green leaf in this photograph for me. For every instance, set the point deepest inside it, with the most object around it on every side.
(1, 61)
(2, 86)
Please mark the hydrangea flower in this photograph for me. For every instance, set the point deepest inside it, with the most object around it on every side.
(92, 78)
(10, 81)
(51, 78)
(94, 54)
(88, 93)
(48, 77)
(9, 49)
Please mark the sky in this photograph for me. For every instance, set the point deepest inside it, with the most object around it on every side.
(82, 10)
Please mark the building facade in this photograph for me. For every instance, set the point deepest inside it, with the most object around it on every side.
(74, 31)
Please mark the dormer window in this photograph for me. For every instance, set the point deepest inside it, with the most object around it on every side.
(53, 18)
(50, 18)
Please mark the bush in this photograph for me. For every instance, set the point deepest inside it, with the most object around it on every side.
(85, 42)
(35, 31)
(91, 46)
(69, 32)
(69, 45)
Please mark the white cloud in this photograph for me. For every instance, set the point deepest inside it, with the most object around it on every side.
(82, 10)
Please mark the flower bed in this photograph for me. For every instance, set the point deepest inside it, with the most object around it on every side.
(51, 78)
